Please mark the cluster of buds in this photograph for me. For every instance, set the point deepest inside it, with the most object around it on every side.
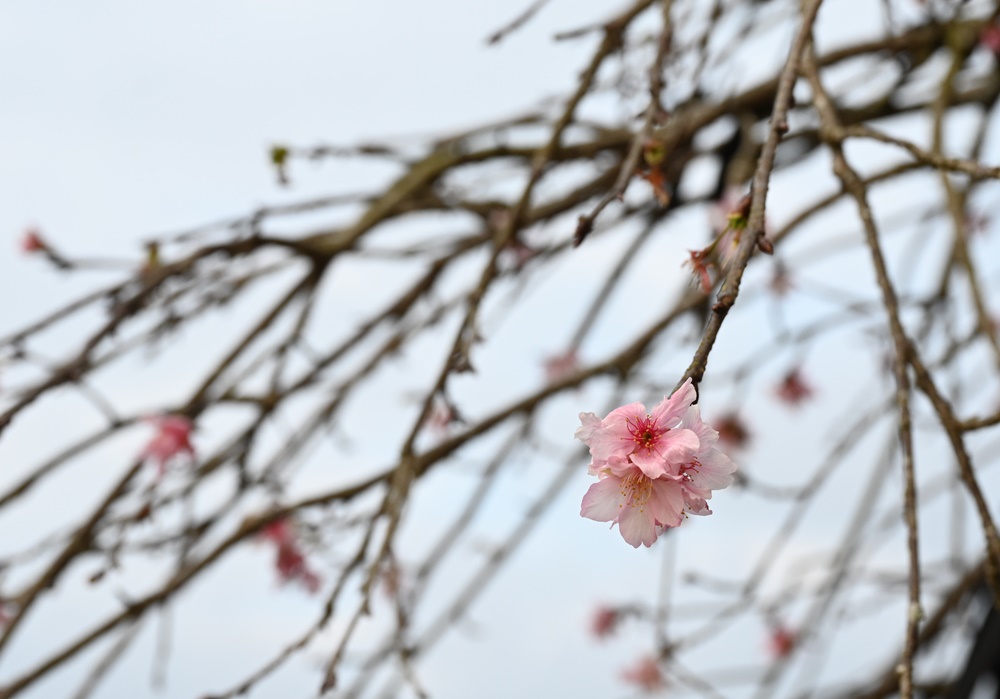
(718, 256)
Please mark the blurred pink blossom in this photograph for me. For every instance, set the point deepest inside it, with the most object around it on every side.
(279, 531)
(781, 642)
(645, 674)
(700, 263)
(706, 468)
(733, 431)
(793, 389)
(559, 366)
(604, 622)
(441, 417)
(990, 38)
(291, 565)
(290, 562)
(173, 437)
(32, 241)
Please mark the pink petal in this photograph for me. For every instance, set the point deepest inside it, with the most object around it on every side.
(692, 421)
(697, 506)
(637, 526)
(677, 446)
(610, 441)
(604, 501)
(650, 462)
(672, 408)
(715, 472)
(626, 412)
(619, 466)
(667, 502)
(589, 423)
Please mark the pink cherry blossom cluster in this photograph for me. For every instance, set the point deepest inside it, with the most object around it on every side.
(652, 468)
(290, 561)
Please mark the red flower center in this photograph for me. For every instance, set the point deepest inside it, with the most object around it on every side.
(644, 432)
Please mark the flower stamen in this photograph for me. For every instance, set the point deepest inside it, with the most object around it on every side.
(636, 489)
(644, 432)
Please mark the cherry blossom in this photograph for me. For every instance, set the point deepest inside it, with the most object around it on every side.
(645, 674)
(990, 38)
(652, 468)
(442, 416)
(290, 561)
(278, 531)
(706, 469)
(733, 431)
(291, 565)
(604, 622)
(781, 642)
(559, 366)
(173, 437)
(648, 440)
(641, 506)
(793, 389)
(701, 264)
(32, 241)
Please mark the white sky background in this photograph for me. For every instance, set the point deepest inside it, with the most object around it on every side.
(124, 120)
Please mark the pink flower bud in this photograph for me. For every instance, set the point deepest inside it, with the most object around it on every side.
(32, 241)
